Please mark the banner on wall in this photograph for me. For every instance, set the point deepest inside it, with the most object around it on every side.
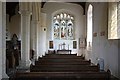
(82, 43)
(51, 44)
(74, 44)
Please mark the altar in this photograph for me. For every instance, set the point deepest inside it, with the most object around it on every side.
(64, 51)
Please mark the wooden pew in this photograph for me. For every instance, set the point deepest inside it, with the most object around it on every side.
(60, 55)
(52, 68)
(51, 51)
(62, 63)
(62, 76)
(60, 60)
(63, 68)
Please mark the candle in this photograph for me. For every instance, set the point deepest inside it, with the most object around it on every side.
(68, 46)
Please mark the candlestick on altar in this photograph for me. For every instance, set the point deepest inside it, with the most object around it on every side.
(68, 46)
(59, 47)
(63, 45)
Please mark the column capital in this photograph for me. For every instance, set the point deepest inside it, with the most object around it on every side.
(25, 12)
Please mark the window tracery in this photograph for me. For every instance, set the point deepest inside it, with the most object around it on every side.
(63, 26)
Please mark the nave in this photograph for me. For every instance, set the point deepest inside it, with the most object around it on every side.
(82, 28)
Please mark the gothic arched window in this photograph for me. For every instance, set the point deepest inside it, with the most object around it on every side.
(63, 26)
(89, 27)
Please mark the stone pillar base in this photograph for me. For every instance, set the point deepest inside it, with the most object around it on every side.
(24, 64)
(5, 76)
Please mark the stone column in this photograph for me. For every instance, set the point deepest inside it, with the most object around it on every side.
(35, 28)
(34, 37)
(43, 34)
(25, 33)
(3, 40)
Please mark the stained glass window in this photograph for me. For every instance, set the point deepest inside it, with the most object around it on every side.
(63, 26)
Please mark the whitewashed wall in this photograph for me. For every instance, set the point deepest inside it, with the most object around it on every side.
(52, 8)
(43, 31)
(42, 41)
(14, 25)
(102, 47)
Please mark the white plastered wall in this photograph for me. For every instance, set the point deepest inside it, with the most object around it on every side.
(101, 46)
(15, 26)
(50, 9)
